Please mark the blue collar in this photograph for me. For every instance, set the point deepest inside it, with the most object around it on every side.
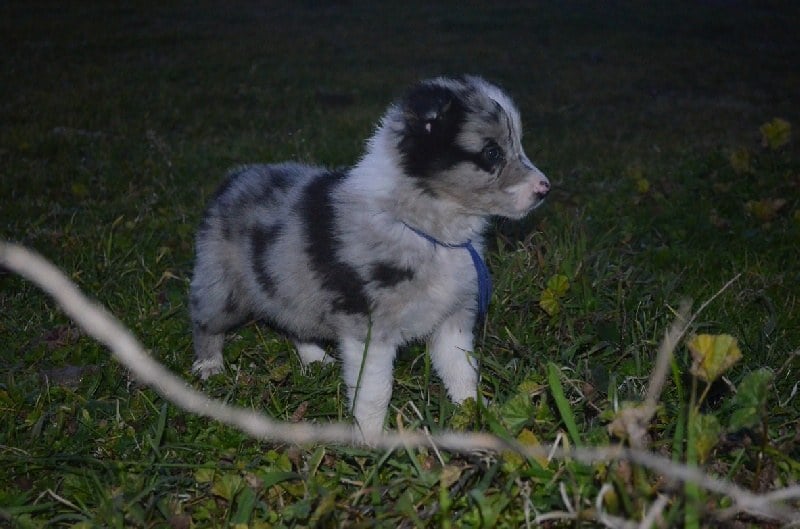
(481, 270)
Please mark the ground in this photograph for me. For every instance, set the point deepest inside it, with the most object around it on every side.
(657, 127)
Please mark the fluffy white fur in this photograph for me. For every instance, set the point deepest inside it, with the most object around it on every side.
(330, 257)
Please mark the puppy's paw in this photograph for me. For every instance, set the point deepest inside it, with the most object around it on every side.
(368, 437)
(207, 367)
(309, 352)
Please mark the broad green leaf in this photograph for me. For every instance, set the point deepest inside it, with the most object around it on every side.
(549, 302)
(558, 284)
(746, 417)
(707, 431)
(712, 355)
(776, 133)
(298, 510)
(464, 415)
(514, 460)
(204, 475)
(750, 401)
(528, 438)
(227, 485)
(270, 479)
(516, 412)
(532, 385)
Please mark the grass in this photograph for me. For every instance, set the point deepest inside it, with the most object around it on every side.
(117, 123)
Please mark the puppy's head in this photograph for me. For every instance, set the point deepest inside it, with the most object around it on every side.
(460, 140)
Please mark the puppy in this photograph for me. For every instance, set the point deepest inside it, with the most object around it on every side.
(376, 256)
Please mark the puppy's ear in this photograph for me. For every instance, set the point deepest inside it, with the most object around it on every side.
(431, 109)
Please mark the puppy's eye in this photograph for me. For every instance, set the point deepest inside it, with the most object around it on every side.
(492, 153)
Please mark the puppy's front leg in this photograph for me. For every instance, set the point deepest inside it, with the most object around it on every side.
(369, 397)
(450, 348)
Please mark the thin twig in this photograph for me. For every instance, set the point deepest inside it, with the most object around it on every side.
(667, 347)
(103, 326)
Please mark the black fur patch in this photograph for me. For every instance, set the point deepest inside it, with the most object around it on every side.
(194, 299)
(205, 224)
(281, 179)
(228, 183)
(217, 205)
(231, 307)
(227, 229)
(318, 217)
(387, 275)
(435, 116)
(278, 180)
(261, 238)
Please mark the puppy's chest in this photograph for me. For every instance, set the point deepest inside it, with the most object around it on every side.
(451, 272)
(438, 282)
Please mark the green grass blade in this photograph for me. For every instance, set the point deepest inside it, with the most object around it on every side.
(564, 409)
(245, 503)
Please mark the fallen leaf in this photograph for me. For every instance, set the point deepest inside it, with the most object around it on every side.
(180, 521)
(450, 475)
(60, 336)
(300, 412)
(776, 133)
(559, 284)
(713, 354)
(528, 439)
(766, 209)
(514, 460)
(549, 302)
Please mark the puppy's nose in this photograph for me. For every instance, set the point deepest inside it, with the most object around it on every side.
(542, 187)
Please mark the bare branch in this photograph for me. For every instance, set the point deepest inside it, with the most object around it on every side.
(665, 352)
(103, 326)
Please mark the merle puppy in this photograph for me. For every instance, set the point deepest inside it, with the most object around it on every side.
(371, 258)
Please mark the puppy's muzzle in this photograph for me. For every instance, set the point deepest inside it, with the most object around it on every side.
(541, 187)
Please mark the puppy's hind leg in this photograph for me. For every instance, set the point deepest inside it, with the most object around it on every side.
(311, 352)
(212, 315)
(207, 351)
